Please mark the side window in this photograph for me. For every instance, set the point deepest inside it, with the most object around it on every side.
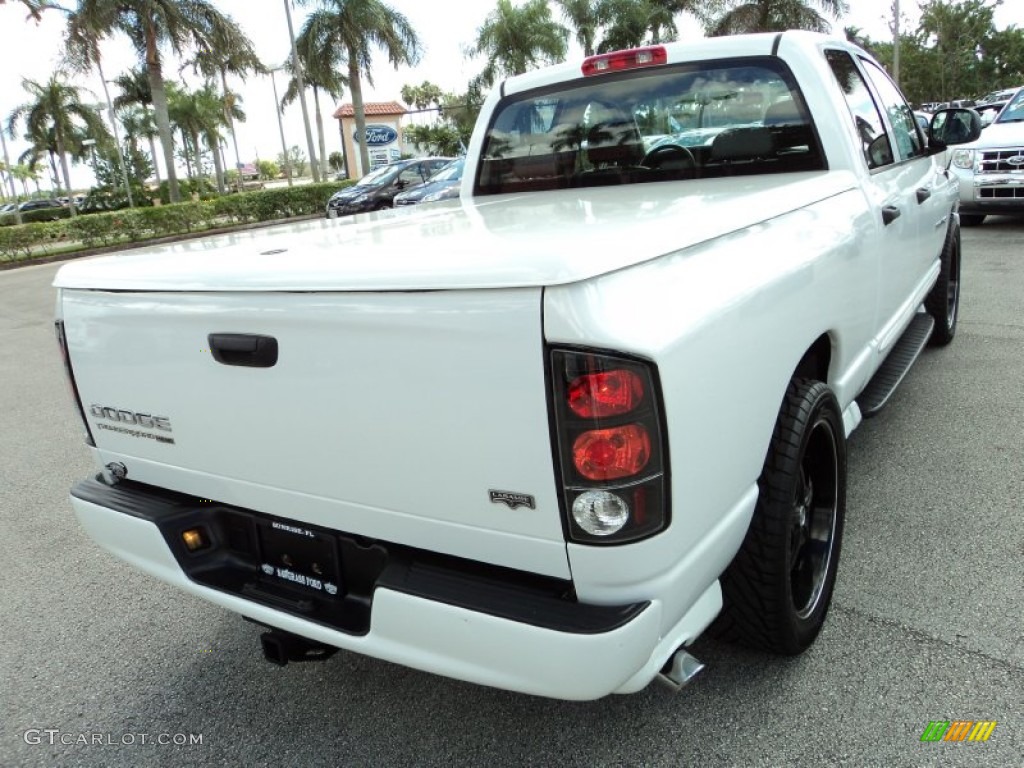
(410, 175)
(870, 127)
(901, 116)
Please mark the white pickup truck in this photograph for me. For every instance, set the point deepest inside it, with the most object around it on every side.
(540, 437)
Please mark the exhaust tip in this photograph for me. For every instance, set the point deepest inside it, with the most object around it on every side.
(680, 670)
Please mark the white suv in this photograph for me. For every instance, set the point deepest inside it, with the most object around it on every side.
(991, 169)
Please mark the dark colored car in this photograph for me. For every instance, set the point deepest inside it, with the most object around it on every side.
(35, 205)
(443, 185)
(377, 189)
(7, 211)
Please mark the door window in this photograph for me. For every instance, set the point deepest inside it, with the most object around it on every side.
(875, 141)
(905, 129)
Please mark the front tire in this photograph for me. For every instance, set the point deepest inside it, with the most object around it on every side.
(778, 589)
(943, 301)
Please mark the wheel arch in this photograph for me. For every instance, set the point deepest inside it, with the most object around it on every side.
(816, 361)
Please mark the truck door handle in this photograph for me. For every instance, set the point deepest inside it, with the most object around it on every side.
(923, 193)
(247, 349)
(889, 214)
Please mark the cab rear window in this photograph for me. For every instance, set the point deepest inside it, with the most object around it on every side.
(673, 122)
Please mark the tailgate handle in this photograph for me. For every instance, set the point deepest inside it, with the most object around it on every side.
(247, 349)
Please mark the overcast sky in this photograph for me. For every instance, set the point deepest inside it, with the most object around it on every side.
(31, 50)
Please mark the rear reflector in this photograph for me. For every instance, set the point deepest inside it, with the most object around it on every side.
(622, 60)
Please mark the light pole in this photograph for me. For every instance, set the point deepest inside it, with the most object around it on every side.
(280, 127)
(297, 66)
(117, 138)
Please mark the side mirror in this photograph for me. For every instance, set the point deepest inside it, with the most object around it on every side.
(879, 152)
(953, 126)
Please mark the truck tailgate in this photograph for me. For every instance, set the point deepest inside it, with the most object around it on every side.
(390, 415)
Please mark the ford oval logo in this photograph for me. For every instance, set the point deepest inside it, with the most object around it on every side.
(1016, 160)
(378, 135)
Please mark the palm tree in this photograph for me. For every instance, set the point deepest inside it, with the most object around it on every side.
(347, 31)
(56, 118)
(231, 55)
(138, 124)
(199, 115)
(150, 24)
(35, 7)
(515, 39)
(585, 18)
(25, 173)
(215, 116)
(135, 92)
(318, 74)
(777, 16)
(82, 52)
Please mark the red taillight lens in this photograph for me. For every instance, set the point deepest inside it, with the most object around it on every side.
(597, 395)
(610, 454)
(620, 60)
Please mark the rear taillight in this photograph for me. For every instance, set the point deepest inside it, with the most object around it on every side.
(66, 356)
(610, 447)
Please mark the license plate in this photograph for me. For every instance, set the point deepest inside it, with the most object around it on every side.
(331, 213)
(294, 556)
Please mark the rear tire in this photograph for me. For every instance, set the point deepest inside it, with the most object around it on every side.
(971, 219)
(778, 589)
(943, 302)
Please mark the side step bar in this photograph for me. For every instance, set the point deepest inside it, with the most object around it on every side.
(876, 394)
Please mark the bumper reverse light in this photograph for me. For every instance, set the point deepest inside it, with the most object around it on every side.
(195, 539)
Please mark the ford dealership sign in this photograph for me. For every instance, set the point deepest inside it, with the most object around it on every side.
(378, 135)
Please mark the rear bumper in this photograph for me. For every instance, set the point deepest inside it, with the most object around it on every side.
(429, 614)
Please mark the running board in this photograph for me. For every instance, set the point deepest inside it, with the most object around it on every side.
(878, 391)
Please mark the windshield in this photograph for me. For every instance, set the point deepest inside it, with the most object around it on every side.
(375, 177)
(451, 172)
(653, 124)
(1013, 112)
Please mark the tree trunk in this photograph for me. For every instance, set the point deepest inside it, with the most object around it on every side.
(218, 166)
(54, 177)
(231, 122)
(59, 136)
(357, 106)
(163, 120)
(191, 156)
(324, 170)
(156, 165)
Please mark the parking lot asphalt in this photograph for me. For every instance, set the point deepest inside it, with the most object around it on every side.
(100, 663)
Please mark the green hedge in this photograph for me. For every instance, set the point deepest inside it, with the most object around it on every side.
(136, 225)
